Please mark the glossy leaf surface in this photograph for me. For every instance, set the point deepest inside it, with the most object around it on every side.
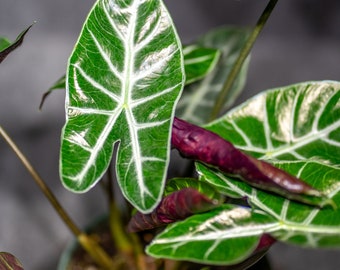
(198, 62)
(297, 129)
(227, 235)
(198, 99)
(176, 184)
(298, 223)
(297, 122)
(124, 78)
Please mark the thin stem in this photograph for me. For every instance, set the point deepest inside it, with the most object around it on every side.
(91, 246)
(127, 245)
(42, 185)
(241, 58)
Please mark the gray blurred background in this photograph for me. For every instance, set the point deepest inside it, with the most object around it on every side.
(301, 42)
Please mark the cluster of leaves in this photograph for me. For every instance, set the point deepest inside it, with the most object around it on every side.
(124, 80)
(124, 86)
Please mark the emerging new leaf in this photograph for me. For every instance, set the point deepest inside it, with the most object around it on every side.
(124, 78)
(176, 206)
(207, 147)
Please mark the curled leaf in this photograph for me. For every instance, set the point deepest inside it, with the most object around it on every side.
(176, 206)
(11, 47)
(209, 148)
(59, 84)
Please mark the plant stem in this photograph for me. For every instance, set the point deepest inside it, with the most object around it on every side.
(241, 58)
(39, 181)
(91, 246)
(128, 245)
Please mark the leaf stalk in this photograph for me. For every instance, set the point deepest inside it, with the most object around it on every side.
(241, 58)
(91, 246)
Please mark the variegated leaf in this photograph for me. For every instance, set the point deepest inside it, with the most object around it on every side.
(227, 235)
(123, 80)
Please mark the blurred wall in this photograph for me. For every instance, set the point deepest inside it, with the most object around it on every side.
(300, 43)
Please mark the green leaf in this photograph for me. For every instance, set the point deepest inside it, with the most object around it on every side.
(198, 99)
(176, 184)
(124, 78)
(59, 84)
(4, 43)
(9, 262)
(6, 47)
(227, 235)
(296, 128)
(297, 122)
(199, 61)
(299, 224)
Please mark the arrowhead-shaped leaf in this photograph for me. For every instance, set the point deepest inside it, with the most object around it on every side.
(123, 80)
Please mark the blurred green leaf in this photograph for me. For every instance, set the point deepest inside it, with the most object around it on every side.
(4, 43)
(199, 61)
(59, 84)
(198, 98)
(6, 47)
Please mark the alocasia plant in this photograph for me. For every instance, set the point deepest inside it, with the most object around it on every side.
(123, 82)
(267, 170)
